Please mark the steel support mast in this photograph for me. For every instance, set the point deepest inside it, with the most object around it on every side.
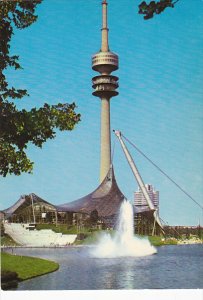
(138, 178)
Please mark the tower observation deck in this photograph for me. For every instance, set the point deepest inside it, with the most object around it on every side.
(105, 85)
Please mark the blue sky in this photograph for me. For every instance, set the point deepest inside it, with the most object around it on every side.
(159, 106)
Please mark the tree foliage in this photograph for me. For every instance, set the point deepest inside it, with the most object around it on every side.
(18, 128)
(94, 216)
(155, 7)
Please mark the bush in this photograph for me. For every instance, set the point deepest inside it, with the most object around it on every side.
(81, 236)
(6, 240)
(8, 276)
(9, 280)
(2, 231)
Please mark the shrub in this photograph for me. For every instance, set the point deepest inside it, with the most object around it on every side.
(9, 280)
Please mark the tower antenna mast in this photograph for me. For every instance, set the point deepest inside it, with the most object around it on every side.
(105, 30)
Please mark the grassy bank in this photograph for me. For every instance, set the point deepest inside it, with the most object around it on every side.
(154, 240)
(62, 228)
(59, 228)
(26, 267)
(86, 233)
(6, 240)
(87, 236)
(160, 241)
(93, 237)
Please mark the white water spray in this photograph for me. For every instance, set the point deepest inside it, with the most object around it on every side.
(123, 243)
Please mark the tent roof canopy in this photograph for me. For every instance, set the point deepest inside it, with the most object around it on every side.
(106, 199)
(25, 201)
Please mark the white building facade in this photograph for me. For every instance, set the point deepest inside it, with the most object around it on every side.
(140, 201)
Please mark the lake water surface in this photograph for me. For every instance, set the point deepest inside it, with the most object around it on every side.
(173, 267)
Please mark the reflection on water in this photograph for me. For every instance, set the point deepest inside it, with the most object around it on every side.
(173, 267)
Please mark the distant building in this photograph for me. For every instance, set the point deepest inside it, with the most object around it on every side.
(144, 217)
(140, 201)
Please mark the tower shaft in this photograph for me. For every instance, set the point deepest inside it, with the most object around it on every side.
(105, 158)
(105, 86)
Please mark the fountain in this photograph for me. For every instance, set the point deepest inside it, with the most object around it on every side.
(123, 243)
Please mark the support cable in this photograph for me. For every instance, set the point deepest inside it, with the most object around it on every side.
(176, 184)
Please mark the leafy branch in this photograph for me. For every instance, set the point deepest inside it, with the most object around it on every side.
(155, 7)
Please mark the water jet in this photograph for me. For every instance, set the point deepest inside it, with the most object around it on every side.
(124, 242)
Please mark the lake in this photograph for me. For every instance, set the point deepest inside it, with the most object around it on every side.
(173, 267)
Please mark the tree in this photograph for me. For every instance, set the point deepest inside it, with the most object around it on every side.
(18, 128)
(94, 217)
(155, 7)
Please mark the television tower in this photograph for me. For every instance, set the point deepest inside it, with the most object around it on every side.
(105, 86)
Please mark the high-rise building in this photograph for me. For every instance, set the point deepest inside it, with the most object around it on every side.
(105, 85)
(140, 201)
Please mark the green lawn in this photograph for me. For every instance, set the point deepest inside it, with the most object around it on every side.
(26, 267)
(63, 228)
